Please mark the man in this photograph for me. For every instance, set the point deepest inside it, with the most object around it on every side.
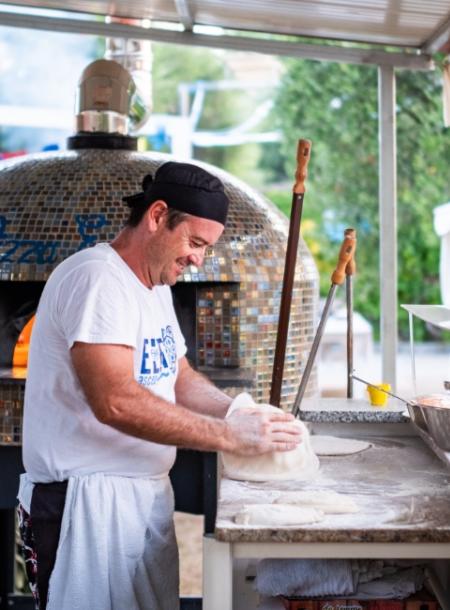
(109, 397)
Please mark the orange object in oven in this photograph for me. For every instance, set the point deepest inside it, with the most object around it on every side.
(20, 356)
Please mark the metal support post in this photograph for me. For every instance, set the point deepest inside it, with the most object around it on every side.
(388, 222)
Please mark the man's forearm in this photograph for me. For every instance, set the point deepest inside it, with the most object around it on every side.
(106, 376)
(142, 414)
(117, 400)
(195, 392)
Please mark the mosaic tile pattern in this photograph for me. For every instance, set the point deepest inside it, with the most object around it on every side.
(11, 408)
(218, 316)
(53, 204)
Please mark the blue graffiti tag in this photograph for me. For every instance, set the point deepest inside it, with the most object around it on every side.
(3, 223)
(25, 250)
(88, 227)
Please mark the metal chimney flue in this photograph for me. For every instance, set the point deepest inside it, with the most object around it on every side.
(136, 57)
(114, 97)
(104, 98)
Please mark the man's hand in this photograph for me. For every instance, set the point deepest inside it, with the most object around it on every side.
(255, 431)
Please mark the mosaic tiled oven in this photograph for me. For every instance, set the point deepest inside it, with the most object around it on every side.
(54, 204)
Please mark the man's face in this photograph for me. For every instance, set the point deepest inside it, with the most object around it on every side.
(171, 250)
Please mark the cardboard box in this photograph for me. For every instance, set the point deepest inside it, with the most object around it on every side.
(415, 602)
(355, 604)
(421, 605)
(298, 604)
(333, 604)
(421, 601)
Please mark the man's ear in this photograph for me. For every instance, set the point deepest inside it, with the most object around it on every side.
(156, 215)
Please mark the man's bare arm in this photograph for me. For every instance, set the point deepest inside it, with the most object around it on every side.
(194, 391)
(106, 376)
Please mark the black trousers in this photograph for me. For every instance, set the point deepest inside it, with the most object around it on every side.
(47, 507)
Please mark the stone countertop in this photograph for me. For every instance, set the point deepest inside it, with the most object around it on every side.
(348, 410)
(400, 486)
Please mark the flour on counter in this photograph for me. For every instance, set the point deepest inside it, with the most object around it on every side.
(334, 445)
(273, 515)
(327, 501)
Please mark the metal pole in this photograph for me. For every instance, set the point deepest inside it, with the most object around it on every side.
(337, 278)
(349, 273)
(388, 222)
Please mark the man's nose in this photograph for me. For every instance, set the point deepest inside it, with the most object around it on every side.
(197, 258)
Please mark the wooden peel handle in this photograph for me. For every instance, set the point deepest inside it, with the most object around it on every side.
(303, 156)
(345, 256)
(350, 268)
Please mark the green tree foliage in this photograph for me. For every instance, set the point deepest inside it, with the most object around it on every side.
(222, 109)
(173, 65)
(335, 105)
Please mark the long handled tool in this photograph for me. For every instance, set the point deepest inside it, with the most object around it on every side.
(303, 155)
(350, 270)
(337, 278)
(374, 385)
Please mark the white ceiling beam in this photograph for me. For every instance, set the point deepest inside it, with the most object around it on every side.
(184, 13)
(439, 38)
(317, 52)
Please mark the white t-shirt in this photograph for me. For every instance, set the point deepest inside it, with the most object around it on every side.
(94, 297)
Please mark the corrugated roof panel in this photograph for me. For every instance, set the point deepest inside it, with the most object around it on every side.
(406, 23)
(322, 19)
(135, 9)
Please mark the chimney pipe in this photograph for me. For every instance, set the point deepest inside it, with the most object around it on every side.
(104, 98)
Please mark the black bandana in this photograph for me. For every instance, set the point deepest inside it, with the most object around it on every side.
(184, 187)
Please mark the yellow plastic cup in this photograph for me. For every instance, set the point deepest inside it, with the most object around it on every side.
(377, 397)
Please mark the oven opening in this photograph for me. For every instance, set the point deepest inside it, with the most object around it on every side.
(18, 304)
(208, 313)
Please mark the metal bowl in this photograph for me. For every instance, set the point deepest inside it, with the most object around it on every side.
(437, 419)
(417, 417)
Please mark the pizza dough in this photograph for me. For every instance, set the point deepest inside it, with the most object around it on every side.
(327, 501)
(301, 463)
(273, 515)
(333, 445)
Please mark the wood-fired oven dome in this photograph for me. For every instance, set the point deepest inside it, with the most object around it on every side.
(54, 204)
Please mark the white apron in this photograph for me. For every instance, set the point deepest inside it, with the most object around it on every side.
(117, 549)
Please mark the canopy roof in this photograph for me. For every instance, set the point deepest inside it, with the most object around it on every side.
(414, 26)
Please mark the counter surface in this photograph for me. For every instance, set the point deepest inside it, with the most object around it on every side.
(400, 486)
(349, 410)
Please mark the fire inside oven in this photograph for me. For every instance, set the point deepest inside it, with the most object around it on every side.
(18, 304)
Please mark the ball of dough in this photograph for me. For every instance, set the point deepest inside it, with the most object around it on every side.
(273, 515)
(300, 463)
